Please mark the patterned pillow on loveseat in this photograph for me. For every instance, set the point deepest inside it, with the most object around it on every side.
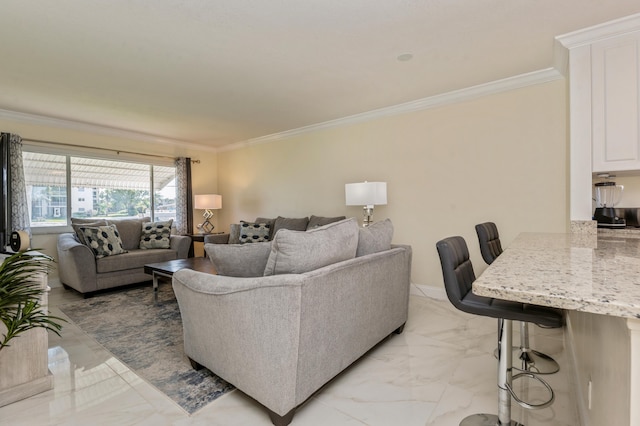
(156, 235)
(103, 240)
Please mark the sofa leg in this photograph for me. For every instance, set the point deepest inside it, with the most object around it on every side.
(278, 420)
(195, 365)
(400, 329)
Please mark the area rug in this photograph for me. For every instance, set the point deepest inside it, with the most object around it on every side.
(145, 333)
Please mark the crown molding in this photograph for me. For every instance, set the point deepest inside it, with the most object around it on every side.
(601, 31)
(97, 129)
(473, 92)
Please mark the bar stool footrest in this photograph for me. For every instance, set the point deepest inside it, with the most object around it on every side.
(525, 404)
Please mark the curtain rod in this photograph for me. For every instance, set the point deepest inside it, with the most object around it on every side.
(117, 151)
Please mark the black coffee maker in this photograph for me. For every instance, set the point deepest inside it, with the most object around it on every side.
(608, 194)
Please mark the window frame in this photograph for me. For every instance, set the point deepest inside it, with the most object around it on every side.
(96, 154)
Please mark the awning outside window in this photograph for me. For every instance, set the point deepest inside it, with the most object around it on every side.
(50, 170)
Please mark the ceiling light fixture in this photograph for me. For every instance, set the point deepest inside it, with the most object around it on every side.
(405, 57)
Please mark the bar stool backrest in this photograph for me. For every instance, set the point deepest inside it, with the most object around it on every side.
(490, 246)
(457, 269)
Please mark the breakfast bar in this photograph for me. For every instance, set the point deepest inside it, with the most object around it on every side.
(581, 273)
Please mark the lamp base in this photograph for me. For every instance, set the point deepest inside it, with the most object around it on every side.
(206, 227)
(368, 216)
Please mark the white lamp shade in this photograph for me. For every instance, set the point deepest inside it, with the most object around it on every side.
(208, 201)
(366, 193)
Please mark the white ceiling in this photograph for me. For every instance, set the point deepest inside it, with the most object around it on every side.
(215, 72)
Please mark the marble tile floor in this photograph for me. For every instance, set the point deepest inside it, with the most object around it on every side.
(437, 372)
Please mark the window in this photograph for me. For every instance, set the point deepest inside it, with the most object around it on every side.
(97, 188)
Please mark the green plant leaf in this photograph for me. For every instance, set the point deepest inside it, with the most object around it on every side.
(20, 294)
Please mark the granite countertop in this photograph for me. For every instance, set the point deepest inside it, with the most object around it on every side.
(597, 273)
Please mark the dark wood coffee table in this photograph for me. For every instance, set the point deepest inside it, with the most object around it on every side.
(168, 268)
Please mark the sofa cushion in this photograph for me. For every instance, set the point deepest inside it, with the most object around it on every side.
(156, 235)
(103, 240)
(130, 231)
(375, 238)
(316, 221)
(254, 232)
(239, 260)
(293, 224)
(296, 252)
(76, 223)
(134, 259)
(234, 233)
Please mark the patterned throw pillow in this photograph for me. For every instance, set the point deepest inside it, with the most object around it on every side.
(156, 235)
(254, 232)
(77, 225)
(103, 240)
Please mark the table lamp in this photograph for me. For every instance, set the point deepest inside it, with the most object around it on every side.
(367, 194)
(207, 202)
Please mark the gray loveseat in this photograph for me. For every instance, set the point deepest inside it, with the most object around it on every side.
(80, 269)
(324, 299)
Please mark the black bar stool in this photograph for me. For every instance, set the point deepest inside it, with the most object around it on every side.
(530, 359)
(459, 276)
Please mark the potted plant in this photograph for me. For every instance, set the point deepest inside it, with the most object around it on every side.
(20, 296)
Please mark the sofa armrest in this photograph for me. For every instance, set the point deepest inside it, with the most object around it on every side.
(216, 239)
(76, 264)
(181, 244)
(256, 321)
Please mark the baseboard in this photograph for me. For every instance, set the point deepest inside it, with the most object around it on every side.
(429, 291)
(26, 390)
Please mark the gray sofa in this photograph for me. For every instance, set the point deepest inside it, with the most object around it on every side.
(325, 298)
(79, 268)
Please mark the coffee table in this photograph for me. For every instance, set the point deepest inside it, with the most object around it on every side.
(168, 268)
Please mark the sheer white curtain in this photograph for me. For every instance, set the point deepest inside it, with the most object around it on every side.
(17, 189)
(184, 207)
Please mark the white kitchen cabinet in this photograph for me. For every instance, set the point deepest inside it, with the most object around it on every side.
(615, 103)
(602, 67)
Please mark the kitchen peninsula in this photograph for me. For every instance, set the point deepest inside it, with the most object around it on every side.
(597, 274)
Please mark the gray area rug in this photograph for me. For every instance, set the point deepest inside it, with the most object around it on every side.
(146, 335)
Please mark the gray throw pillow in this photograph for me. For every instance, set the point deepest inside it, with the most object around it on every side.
(234, 233)
(103, 240)
(239, 260)
(375, 238)
(296, 252)
(293, 224)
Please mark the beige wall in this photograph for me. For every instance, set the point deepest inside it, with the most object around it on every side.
(204, 174)
(502, 158)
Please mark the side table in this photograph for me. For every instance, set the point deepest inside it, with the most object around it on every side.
(200, 239)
